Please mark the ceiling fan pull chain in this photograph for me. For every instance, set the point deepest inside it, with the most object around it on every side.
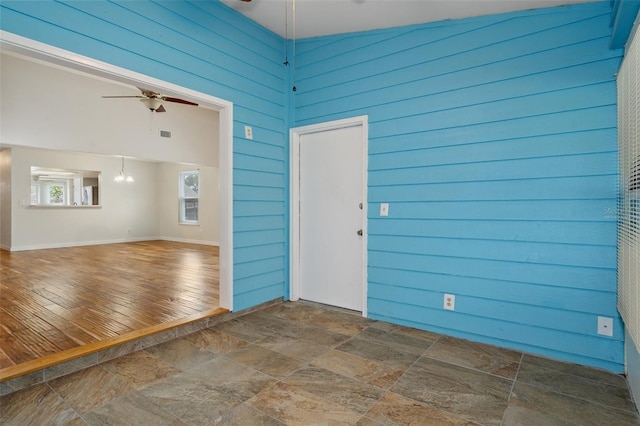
(294, 44)
(286, 33)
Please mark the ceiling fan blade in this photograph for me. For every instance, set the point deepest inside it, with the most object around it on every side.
(177, 100)
(123, 96)
(160, 109)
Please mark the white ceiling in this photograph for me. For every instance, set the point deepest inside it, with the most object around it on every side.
(324, 17)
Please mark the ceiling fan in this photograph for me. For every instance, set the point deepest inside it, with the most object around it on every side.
(153, 100)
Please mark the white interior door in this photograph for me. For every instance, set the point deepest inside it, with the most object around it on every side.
(332, 217)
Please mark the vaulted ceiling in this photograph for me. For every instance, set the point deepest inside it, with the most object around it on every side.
(323, 17)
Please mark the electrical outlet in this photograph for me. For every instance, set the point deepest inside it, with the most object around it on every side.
(449, 302)
(248, 132)
(605, 326)
(384, 209)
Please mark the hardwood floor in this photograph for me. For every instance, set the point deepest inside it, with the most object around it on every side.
(60, 300)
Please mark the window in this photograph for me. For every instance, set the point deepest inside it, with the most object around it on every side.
(189, 185)
(629, 190)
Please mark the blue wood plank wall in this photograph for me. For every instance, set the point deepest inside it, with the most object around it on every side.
(494, 141)
(207, 47)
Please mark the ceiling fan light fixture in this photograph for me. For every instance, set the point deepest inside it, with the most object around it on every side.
(151, 103)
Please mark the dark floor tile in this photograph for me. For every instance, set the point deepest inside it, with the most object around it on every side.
(181, 353)
(556, 377)
(409, 331)
(490, 359)
(332, 319)
(293, 347)
(553, 366)
(362, 369)
(132, 409)
(382, 325)
(346, 323)
(533, 405)
(140, 369)
(244, 330)
(215, 340)
(394, 409)
(577, 370)
(397, 341)
(377, 352)
(366, 421)
(294, 406)
(37, 405)
(245, 415)
(190, 400)
(90, 389)
(304, 363)
(321, 336)
(352, 394)
(467, 393)
(299, 312)
(270, 325)
(269, 362)
(232, 378)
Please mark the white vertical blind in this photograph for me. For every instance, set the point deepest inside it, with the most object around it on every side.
(629, 197)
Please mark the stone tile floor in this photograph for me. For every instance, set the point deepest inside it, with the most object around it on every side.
(306, 364)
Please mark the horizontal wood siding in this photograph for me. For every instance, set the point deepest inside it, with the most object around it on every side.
(207, 47)
(493, 139)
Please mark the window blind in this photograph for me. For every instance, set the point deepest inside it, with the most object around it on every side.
(629, 191)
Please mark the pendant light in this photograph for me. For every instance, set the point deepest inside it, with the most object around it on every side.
(122, 176)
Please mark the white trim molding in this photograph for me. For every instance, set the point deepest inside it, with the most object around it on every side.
(29, 48)
(294, 197)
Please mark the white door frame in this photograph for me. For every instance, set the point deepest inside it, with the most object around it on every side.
(54, 55)
(294, 198)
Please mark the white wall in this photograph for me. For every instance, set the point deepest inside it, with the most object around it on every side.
(46, 107)
(168, 205)
(5, 199)
(142, 210)
(127, 212)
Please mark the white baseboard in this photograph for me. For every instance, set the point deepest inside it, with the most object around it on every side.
(78, 244)
(188, 241)
(101, 242)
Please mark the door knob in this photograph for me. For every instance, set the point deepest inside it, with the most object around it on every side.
(359, 232)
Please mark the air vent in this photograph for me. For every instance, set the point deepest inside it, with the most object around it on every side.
(165, 134)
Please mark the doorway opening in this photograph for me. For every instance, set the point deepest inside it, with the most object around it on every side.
(68, 60)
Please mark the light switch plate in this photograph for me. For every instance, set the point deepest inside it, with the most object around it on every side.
(384, 209)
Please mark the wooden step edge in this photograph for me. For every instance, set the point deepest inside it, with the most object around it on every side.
(21, 369)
